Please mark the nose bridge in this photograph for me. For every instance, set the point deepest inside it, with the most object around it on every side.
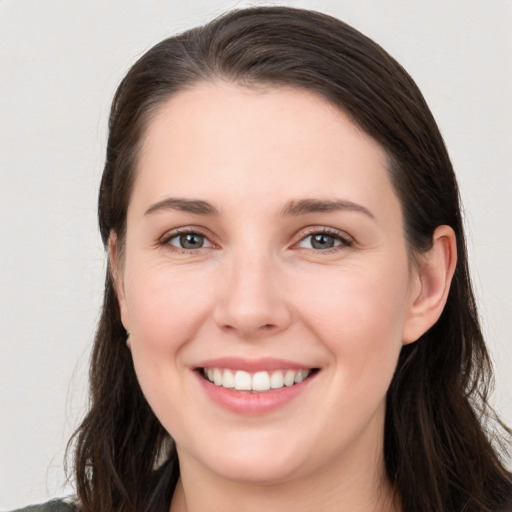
(253, 301)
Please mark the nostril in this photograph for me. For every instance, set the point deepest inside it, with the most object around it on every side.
(265, 327)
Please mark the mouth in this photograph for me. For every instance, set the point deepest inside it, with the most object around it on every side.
(255, 382)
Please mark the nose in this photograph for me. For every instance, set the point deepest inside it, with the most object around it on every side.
(252, 298)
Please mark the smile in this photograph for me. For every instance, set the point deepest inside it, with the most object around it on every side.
(259, 381)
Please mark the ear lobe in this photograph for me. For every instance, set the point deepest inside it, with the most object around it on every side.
(115, 266)
(435, 271)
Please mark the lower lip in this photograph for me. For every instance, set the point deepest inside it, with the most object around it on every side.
(253, 403)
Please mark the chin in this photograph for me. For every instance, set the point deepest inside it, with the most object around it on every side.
(262, 472)
(256, 462)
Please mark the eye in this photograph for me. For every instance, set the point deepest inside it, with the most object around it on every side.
(323, 240)
(189, 241)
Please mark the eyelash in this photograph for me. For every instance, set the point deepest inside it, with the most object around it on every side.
(338, 236)
(184, 231)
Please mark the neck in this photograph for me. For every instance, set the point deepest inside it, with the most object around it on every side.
(356, 487)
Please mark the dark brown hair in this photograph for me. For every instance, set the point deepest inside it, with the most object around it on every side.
(438, 448)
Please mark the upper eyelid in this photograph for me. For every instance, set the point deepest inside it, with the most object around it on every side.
(164, 242)
(299, 235)
(312, 230)
(172, 233)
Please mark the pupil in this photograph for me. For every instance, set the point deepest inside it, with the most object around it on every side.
(322, 241)
(191, 241)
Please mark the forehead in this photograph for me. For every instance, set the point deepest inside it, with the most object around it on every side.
(260, 111)
(229, 141)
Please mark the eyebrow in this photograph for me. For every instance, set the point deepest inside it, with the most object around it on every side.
(184, 205)
(292, 208)
(305, 206)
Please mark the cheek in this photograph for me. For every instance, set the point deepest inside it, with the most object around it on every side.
(167, 308)
(164, 304)
(359, 315)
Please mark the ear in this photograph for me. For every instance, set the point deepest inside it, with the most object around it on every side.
(116, 269)
(433, 276)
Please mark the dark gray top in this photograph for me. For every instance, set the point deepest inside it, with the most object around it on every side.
(51, 506)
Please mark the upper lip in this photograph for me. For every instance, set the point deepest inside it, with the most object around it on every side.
(252, 365)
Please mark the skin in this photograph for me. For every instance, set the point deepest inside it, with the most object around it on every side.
(259, 288)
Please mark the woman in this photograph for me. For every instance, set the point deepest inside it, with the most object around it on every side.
(288, 320)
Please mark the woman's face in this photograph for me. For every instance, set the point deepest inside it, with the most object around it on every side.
(265, 245)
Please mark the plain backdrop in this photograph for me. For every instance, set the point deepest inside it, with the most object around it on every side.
(60, 61)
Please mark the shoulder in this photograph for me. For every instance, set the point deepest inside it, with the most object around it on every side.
(63, 505)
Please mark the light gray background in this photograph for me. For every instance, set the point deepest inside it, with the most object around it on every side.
(60, 62)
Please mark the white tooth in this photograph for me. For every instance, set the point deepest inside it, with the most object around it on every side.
(242, 381)
(289, 378)
(277, 380)
(229, 379)
(217, 376)
(209, 374)
(301, 376)
(260, 381)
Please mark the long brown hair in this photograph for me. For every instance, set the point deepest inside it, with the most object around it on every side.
(440, 434)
